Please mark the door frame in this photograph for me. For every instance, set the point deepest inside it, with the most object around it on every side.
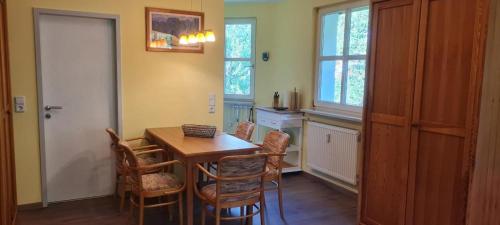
(37, 13)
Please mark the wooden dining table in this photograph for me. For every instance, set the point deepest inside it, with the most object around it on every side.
(192, 150)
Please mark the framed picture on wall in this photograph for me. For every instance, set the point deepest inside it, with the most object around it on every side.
(164, 28)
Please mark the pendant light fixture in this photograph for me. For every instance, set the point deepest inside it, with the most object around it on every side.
(192, 39)
(183, 40)
(209, 36)
(198, 37)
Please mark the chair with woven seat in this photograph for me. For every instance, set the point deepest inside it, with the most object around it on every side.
(274, 145)
(145, 158)
(239, 183)
(145, 184)
(244, 130)
(137, 143)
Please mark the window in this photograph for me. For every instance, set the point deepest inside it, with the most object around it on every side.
(341, 58)
(239, 59)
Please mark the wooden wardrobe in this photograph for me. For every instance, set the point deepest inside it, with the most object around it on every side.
(8, 204)
(424, 82)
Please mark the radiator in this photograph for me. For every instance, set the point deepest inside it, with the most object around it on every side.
(333, 151)
(234, 113)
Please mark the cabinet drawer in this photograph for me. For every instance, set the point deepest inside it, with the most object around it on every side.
(268, 122)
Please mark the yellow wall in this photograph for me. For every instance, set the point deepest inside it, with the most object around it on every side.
(287, 30)
(159, 89)
(264, 71)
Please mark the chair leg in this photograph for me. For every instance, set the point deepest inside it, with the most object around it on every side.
(242, 213)
(217, 215)
(203, 213)
(141, 210)
(263, 201)
(170, 209)
(117, 185)
(181, 216)
(131, 208)
(249, 220)
(121, 193)
(280, 198)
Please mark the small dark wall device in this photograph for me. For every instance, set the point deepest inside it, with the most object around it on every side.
(265, 56)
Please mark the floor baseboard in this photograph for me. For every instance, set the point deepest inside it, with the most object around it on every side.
(30, 206)
(329, 184)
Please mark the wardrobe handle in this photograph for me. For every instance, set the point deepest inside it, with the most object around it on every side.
(415, 125)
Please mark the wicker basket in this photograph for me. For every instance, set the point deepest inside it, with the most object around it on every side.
(204, 131)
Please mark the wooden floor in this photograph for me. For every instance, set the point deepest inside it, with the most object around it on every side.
(307, 202)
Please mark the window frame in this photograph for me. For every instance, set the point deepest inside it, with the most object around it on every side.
(340, 108)
(252, 59)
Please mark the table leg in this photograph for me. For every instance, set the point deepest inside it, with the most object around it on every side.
(189, 192)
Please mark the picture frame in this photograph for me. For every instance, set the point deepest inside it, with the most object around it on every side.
(165, 26)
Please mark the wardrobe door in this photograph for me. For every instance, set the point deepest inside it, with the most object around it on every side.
(394, 26)
(449, 73)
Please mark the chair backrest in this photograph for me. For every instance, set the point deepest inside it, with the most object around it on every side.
(244, 130)
(275, 142)
(132, 161)
(119, 154)
(114, 137)
(244, 170)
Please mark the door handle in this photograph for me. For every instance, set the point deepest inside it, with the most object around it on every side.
(51, 107)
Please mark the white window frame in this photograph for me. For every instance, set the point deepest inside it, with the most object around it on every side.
(250, 97)
(342, 108)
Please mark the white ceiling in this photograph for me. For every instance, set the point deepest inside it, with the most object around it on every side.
(250, 1)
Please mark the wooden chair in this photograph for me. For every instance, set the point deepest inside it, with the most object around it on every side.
(244, 130)
(121, 166)
(137, 143)
(239, 182)
(152, 185)
(274, 145)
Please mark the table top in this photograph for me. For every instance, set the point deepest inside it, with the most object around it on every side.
(221, 144)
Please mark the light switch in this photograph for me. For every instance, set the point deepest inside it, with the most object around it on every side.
(19, 104)
(211, 99)
(211, 103)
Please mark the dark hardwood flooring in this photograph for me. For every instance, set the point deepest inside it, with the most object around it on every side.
(307, 200)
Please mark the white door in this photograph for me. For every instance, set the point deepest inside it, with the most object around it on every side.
(78, 79)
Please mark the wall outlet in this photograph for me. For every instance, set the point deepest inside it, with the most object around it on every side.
(211, 109)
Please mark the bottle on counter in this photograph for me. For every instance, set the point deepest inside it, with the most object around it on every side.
(294, 99)
(276, 100)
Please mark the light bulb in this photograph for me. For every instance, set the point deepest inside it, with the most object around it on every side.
(209, 36)
(192, 39)
(183, 40)
(200, 37)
